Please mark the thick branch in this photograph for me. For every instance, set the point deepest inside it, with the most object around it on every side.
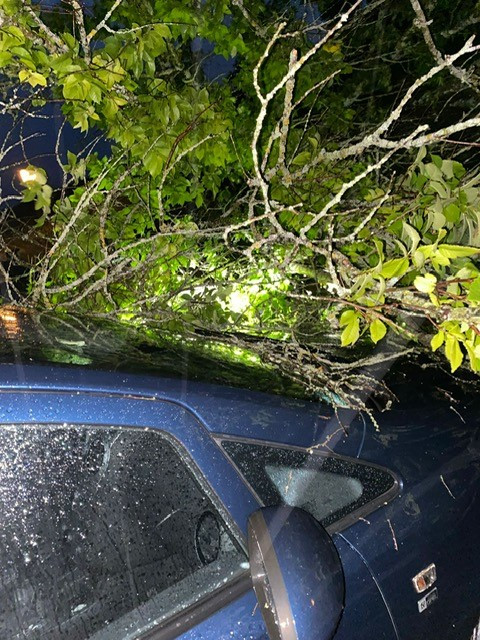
(53, 41)
(80, 22)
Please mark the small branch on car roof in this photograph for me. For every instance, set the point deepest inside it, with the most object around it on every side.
(446, 486)
(395, 544)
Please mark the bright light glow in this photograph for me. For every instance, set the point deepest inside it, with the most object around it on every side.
(28, 175)
(10, 323)
(239, 301)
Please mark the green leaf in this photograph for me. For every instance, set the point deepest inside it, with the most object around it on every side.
(5, 58)
(439, 188)
(37, 79)
(109, 108)
(437, 340)
(422, 152)
(452, 212)
(378, 330)
(23, 75)
(412, 234)
(16, 33)
(453, 352)
(472, 356)
(458, 169)
(447, 169)
(474, 291)
(163, 30)
(471, 194)
(302, 158)
(379, 245)
(153, 162)
(433, 172)
(78, 88)
(69, 40)
(351, 333)
(71, 159)
(426, 283)
(395, 268)
(457, 251)
(418, 259)
(347, 317)
(437, 161)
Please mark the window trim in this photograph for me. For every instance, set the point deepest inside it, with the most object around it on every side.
(201, 610)
(195, 613)
(347, 520)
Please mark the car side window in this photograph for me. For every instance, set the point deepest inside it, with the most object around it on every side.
(104, 533)
(329, 487)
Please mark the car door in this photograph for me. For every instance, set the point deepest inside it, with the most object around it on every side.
(110, 527)
(338, 492)
(228, 610)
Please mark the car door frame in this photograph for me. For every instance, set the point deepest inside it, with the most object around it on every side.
(101, 408)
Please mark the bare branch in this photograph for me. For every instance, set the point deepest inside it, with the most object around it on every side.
(422, 23)
(375, 139)
(80, 22)
(103, 23)
(54, 42)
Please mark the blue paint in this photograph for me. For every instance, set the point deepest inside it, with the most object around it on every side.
(311, 570)
(434, 451)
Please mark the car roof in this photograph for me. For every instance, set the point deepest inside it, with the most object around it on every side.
(56, 352)
(59, 352)
(163, 350)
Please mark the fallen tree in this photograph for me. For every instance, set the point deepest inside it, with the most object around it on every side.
(305, 196)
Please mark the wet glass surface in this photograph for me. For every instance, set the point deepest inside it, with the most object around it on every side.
(80, 341)
(327, 487)
(104, 532)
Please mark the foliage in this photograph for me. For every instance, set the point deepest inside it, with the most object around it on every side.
(320, 188)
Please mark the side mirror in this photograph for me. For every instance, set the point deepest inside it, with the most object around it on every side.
(296, 574)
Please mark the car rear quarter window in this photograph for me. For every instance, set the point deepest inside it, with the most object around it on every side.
(335, 490)
(104, 533)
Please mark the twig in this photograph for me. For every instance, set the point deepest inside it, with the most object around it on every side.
(446, 486)
(248, 17)
(422, 23)
(103, 22)
(56, 40)
(395, 544)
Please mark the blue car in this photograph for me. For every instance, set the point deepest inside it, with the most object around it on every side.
(143, 506)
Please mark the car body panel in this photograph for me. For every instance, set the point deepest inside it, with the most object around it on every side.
(435, 520)
(366, 613)
(434, 452)
(430, 438)
(33, 395)
(239, 620)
